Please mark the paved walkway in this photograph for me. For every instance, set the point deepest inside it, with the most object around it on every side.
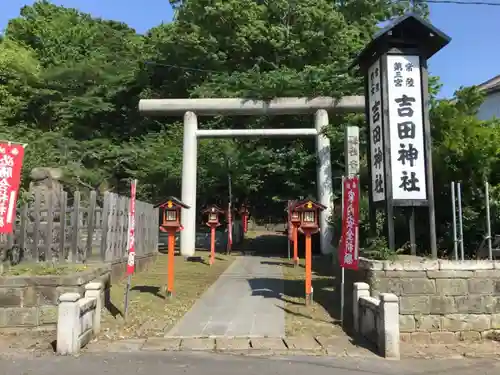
(244, 301)
(201, 363)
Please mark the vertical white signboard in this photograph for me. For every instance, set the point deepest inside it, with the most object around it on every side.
(406, 127)
(376, 132)
(351, 134)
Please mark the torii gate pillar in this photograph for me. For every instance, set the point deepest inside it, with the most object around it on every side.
(324, 181)
(189, 169)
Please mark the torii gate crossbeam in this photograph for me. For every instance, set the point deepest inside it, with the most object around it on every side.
(235, 106)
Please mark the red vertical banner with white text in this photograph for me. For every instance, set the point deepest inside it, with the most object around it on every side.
(131, 229)
(230, 228)
(349, 242)
(11, 163)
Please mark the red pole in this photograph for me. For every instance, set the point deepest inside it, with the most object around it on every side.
(229, 230)
(212, 245)
(308, 268)
(171, 260)
(295, 245)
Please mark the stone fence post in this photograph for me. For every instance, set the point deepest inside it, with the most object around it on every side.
(94, 290)
(78, 318)
(389, 320)
(359, 290)
(68, 325)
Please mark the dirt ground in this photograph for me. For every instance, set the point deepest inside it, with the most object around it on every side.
(318, 318)
(150, 313)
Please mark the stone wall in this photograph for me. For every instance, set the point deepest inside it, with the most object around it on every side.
(440, 301)
(31, 301)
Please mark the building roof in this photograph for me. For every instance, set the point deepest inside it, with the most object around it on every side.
(490, 86)
(174, 200)
(213, 208)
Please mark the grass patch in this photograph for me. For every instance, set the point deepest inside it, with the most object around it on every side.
(42, 269)
(318, 318)
(150, 313)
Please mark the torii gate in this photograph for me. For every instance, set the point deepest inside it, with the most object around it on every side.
(191, 108)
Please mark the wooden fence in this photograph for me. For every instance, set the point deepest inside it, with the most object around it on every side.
(54, 227)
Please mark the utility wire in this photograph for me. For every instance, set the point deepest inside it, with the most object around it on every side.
(449, 2)
(456, 2)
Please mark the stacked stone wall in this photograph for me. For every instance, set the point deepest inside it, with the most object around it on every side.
(440, 301)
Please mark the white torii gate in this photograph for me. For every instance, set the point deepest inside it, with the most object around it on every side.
(191, 108)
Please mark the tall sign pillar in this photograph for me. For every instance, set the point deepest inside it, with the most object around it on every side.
(397, 112)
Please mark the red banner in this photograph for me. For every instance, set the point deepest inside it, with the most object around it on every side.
(230, 227)
(349, 241)
(11, 162)
(131, 229)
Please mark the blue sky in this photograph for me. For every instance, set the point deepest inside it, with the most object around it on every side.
(471, 57)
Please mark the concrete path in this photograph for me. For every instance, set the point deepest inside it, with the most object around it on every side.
(244, 301)
(179, 363)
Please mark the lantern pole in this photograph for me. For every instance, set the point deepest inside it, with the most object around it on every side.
(308, 268)
(342, 269)
(229, 208)
(295, 239)
(171, 260)
(212, 244)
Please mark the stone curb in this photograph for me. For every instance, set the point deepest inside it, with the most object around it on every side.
(248, 346)
(289, 346)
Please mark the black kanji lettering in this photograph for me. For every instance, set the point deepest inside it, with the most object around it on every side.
(378, 158)
(398, 82)
(410, 82)
(398, 67)
(409, 183)
(379, 183)
(405, 103)
(376, 111)
(376, 134)
(406, 130)
(353, 143)
(409, 154)
(409, 67)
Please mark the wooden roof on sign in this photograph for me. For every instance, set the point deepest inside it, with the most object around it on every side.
(308, 204)
(213, 208)
(410, 31)
(176, 202)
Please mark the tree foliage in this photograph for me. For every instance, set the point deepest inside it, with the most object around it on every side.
(70, 84)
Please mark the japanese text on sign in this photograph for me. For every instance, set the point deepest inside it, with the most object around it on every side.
(348, 251)
(352, 150)
(11, 160)
(376, 132)
(406, 128)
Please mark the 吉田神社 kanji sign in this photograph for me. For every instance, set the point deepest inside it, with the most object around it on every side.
(11, 162)
(349, 243)
(406, 128)
(376, 132)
